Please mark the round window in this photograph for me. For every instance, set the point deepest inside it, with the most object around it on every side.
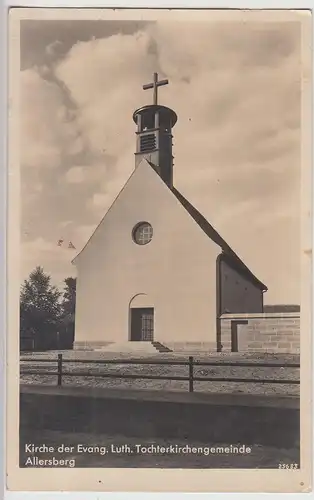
(142, 233)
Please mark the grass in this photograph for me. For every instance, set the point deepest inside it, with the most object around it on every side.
(208, 371)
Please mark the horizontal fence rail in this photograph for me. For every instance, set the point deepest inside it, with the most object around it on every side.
(190, 363)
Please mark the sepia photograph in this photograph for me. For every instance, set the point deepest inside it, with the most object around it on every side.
(158, 239)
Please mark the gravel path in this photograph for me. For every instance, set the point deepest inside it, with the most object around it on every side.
(166, 370)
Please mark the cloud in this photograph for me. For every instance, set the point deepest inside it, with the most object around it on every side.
(83, 233)
(98, 75)
(93, 173)
(75, 175)
(109, 187)
(55, 260)
(53, 48)
(100, 200)
(66, 223)
(48, 132)
(236, 89)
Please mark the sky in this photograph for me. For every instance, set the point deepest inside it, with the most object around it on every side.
(236, 89)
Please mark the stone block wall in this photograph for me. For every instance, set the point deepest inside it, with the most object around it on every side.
(262, 332)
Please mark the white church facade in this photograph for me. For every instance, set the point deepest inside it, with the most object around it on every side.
(155, 270)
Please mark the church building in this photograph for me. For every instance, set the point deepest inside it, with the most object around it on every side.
(155, 270)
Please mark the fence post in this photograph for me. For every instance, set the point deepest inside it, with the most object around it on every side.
(191, 374)
(59, 369)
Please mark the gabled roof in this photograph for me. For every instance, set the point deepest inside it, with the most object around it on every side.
(215, 236)
(203, 224)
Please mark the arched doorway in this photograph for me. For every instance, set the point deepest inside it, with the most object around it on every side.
(141, 318)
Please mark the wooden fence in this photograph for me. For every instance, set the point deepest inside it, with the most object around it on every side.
(191, 363)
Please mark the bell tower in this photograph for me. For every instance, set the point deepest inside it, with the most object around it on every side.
(154, 134)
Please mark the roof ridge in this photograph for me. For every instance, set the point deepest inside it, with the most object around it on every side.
(212, 233)
(203, 223)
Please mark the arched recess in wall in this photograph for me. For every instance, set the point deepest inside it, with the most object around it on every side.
(139, 301)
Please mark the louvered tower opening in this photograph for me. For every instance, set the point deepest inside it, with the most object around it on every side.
(154, 139)
(147, 143)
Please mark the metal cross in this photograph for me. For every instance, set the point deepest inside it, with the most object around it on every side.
(155, 86)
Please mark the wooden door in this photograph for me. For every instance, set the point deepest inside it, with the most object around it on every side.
(142, 324)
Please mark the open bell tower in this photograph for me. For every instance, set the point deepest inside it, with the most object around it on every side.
(154, 134)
